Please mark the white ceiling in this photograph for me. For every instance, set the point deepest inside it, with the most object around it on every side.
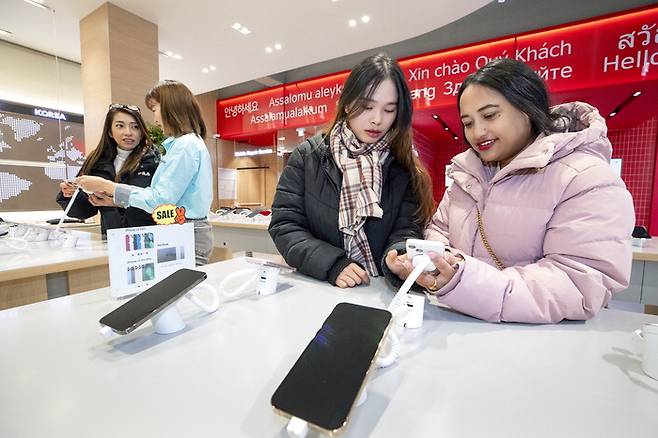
(310, 31)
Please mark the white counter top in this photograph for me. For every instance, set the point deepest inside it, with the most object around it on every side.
(43, 257)
(456, 376)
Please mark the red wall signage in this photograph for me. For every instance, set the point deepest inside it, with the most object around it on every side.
(310, 102)
(612, 50)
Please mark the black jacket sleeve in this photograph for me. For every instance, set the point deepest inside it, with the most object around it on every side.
(406, 227)
(81, 208)
(289, 227)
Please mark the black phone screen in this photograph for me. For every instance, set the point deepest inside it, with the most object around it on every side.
(323, 384)
(130, 315)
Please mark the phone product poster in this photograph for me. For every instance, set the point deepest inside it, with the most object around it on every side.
(141, 256)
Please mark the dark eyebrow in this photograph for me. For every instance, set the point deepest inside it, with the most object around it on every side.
(369, 100)
(491, 105)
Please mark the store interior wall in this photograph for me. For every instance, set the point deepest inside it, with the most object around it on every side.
(31, 77)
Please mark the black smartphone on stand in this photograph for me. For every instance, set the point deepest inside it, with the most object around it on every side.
(132, 314)
(325, 382)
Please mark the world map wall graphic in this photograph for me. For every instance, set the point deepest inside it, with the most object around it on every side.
(39, 148)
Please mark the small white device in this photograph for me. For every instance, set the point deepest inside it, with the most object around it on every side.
(407, 309)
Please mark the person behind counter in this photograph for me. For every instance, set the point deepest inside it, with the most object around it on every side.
(345, 198)
(537, 223)
(184, 177)
(124, 154)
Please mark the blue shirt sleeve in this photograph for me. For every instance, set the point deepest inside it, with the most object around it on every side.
(171, 179)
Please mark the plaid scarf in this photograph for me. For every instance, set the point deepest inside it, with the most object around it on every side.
(361, 164)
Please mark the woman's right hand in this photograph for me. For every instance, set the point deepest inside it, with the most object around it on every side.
(67, 188)
(351, 276)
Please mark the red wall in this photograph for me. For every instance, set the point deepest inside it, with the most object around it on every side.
(637, 148)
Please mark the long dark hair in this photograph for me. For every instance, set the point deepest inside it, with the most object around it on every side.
(107, 147)
(181, 113)
(360, 86)
(522, 87)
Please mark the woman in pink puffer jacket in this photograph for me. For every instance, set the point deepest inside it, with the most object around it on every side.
(554, 237)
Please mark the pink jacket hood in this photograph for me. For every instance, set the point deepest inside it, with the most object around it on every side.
(556, 216)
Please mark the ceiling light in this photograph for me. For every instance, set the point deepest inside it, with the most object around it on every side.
(236, 26)
(245, 31)
(637, 93)
(435, 116)
(177, 56)
(352, 23)
(37, 4)
(282, 138)
(334, 1)
(455, 137)
(169, 53)
(501, 1)
(212, 68)
(204, 70)
(278, 46)
(446, 129)
(365, 19)
(268, 49)
(612, 114)
(5, 32)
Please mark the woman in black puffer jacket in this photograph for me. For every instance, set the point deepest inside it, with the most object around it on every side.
(345, 199)
(124, 154)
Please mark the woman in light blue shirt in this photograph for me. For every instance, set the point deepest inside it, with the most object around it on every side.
(184, 177)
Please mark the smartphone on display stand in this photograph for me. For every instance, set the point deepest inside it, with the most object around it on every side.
(149, 303)
(325, 382)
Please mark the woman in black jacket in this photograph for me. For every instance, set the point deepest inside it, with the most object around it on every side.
(347, 198)
(124, 154)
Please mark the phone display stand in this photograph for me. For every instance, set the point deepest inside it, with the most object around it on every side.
(263, 279)
(407, 309)
(169, 320)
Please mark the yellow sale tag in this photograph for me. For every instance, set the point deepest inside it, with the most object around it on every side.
(167, 214)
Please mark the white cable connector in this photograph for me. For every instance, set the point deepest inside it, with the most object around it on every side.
(297, 427)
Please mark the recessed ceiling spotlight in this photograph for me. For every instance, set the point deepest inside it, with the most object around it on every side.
(212, 68)
(501, 1)
(5, 32)
(278, 46)
(446, 129)
(205, 70)
(637, 93)
(268, 49)
(352, 23)
(435, 116)
(240, 28)
(455, 137)
(612, 114)
(334, 1)
(365, 19)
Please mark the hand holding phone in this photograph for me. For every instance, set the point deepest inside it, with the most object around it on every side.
(67, 188)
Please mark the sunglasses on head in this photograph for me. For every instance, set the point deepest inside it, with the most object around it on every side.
(122, 106)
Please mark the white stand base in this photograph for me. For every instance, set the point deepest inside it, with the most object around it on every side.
(363, 396)
(168, 321)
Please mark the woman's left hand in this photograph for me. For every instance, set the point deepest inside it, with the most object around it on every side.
(445, 270)
(101, 200)
(94, 184)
